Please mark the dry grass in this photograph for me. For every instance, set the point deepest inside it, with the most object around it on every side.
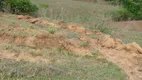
(76, 11)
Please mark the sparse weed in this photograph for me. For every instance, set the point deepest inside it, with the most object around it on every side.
(11, 48)
(52, 30)
(85, 44)
(60, 49)
(96, 53)
(67, 53)
(104, 29)
(43, 10)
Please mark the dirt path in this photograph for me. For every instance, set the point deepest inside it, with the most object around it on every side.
(129, 25)
(126, 56)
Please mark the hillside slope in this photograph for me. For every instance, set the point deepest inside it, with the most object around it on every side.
(35, 49)
(63, 47)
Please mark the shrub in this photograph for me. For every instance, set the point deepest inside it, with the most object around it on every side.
(122, 15)
(52, 30)
(19, 6)
(135, 7)
(103, 28)
(132, 9)
(2, 4)
(22, 6)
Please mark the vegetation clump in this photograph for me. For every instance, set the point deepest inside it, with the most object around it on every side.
(132, 9)
(18, 6)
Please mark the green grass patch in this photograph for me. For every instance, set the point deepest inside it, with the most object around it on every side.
(96, 53)
(52, 30)
(63, 66)
(74, 68)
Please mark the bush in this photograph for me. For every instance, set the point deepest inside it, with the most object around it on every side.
(122, 15)
(2, 4)
(135, 7)
(20, 6)
(132, 9)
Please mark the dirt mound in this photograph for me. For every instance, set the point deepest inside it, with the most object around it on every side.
(45, 41)
(60, 24)
(133, 48)
(109, 42)
(21, 17)
(32, 20)
(77, 29)
(40, 41)
(126, 56)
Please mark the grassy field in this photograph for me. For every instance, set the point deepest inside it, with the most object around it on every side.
(72, 68)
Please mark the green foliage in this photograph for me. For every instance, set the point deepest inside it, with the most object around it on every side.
(104, 29)
(2, 2)
(43, 5)
(52, 30)
(122, 14)
(96, 53)
(22, 6)
(19, 6)
(134, 7)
